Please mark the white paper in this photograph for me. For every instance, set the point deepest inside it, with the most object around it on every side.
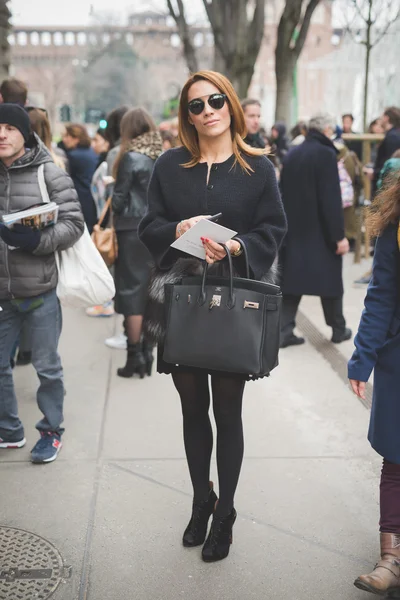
(191, 243)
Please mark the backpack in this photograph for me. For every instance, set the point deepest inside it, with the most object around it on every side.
(346, 185)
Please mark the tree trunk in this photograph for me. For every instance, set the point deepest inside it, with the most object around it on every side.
(292, 34)
(368, 48)
(4, 45)
(237, 38)
(284, 92)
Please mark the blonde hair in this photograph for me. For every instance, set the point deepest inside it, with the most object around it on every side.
(188, 134)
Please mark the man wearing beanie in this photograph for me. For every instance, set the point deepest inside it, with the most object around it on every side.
(28, 278)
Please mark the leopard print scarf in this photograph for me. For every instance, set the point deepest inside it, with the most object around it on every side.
(149, 144)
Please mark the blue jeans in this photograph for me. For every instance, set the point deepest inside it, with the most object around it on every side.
(44, 324)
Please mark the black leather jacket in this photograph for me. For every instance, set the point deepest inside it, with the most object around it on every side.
(130, 191)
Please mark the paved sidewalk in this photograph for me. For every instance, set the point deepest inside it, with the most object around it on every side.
(116, 501)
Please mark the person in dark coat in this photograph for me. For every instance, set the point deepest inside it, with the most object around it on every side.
(378, 348)
(214, 171)
(141, 145)
(347, 127)
(279, 140)
(83, 163)
(391, 143)
(315, 242)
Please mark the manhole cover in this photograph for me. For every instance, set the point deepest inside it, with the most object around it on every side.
(30, 567)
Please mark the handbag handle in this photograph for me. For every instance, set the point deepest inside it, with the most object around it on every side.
(231, 298)
(104, 211)
(245, 254)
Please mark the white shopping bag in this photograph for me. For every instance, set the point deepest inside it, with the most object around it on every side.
(83, 277)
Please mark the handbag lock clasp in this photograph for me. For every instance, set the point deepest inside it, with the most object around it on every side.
(254, 305)
(215, 301)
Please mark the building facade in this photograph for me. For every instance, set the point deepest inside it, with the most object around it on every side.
(54, 61)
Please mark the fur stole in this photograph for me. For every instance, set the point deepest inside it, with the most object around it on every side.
(154, 318)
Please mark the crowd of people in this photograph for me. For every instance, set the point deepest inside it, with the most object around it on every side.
(292, 200)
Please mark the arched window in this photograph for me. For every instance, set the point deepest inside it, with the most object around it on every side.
(106, 38)
(81, 38)
(46, 38)
(58, 39)
(175, 40)
(11, 39)
(35, 38)
(22, 38)
(129, 39)
(70, 38)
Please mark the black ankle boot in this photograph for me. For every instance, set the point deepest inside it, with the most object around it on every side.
(196, 531)
(147, 349)
(220, 538)
(135, 362)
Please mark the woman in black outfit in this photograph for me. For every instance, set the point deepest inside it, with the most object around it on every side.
(214, 171)
(141, 144)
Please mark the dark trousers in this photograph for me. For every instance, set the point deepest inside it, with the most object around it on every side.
(390, 498)
(332, 307)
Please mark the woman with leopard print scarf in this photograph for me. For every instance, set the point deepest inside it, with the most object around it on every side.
(141, 145)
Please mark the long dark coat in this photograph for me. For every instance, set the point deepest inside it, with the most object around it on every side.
(82, 165)
(378, 346)
(312, 200)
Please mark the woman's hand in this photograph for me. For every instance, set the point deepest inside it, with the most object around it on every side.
(215, 252)
(358, 388)
(184, 226)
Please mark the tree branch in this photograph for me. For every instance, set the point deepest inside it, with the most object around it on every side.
(184, 33)
(312, 5)
(386, 28)
(172, 11)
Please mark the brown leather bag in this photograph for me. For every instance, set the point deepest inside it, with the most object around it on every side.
(105, 239)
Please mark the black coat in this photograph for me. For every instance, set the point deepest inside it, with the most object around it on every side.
(130, 191)
(82, 165)
(250, 205)
(312, 200)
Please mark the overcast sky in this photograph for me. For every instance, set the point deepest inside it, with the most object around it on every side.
(76, 12)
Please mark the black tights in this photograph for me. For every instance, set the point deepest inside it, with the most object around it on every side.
(227, 392)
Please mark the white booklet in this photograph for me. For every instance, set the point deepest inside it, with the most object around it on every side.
(37, 216)
(190, 242)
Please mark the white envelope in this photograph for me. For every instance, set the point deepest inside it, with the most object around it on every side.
(190, 241)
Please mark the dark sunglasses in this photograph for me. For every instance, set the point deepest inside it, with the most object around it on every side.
(216, 101)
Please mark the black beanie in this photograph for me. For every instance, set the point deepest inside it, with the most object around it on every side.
(15, 115)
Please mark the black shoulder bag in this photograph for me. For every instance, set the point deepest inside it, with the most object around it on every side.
(223, 324)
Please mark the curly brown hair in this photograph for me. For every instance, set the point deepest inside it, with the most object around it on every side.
(385, 209)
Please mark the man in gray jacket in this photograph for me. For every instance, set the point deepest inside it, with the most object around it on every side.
(28, 278)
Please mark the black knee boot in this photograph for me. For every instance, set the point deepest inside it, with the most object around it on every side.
(135, 362)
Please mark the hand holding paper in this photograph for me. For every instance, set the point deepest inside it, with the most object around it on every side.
(190, 242)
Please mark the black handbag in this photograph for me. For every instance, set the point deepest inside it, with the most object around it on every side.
(223, 324)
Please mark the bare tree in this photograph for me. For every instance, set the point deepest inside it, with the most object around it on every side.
(292, 34)
(189, 52)
(370, 22)
(238, 28)
(5, 28)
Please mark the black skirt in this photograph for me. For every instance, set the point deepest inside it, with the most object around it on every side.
(132, 272)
